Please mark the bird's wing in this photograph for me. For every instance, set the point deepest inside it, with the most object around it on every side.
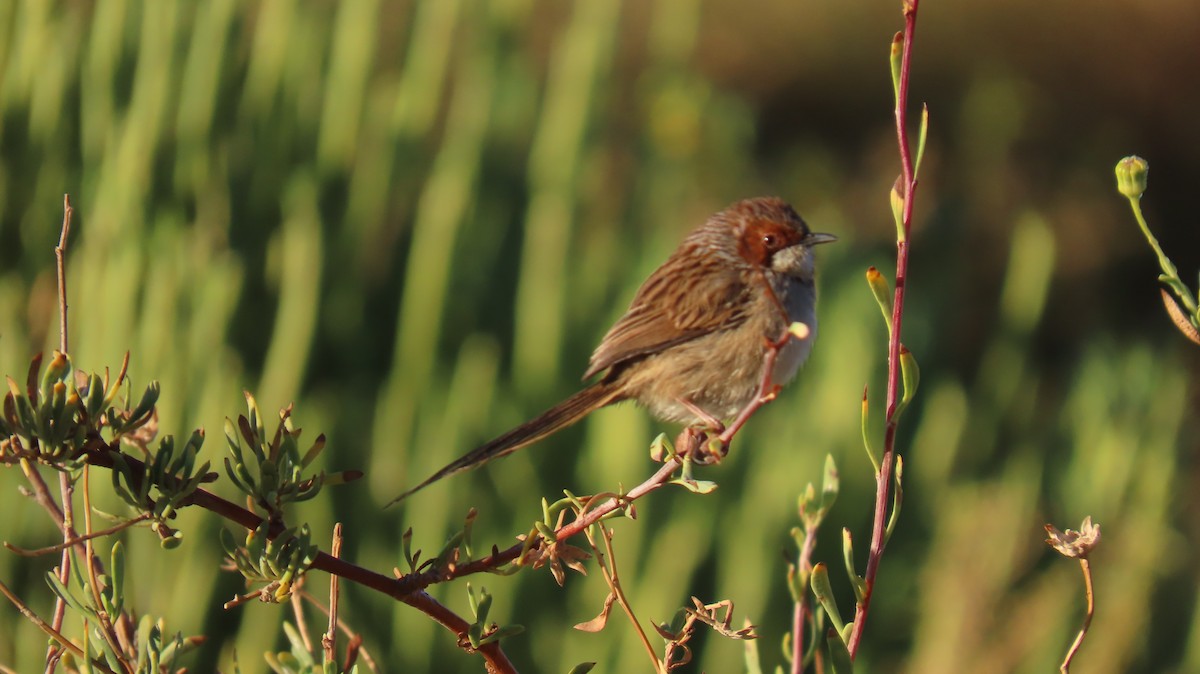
(664, 314)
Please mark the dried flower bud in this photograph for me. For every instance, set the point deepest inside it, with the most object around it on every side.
(1131, 176)
(1075, 544)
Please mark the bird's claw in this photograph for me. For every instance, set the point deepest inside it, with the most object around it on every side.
(701, 444)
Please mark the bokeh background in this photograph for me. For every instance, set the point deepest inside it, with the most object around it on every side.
(415, 219)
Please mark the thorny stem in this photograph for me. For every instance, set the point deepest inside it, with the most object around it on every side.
(883, 481)
(1087, 617)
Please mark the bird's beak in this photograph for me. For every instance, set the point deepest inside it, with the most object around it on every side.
(814, 238)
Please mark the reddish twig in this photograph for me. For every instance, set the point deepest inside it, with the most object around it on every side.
(883, 479)
(801, 613)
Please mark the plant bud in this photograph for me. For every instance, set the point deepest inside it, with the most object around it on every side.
(1131, 176)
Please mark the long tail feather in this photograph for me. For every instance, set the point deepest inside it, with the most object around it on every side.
(556, 418)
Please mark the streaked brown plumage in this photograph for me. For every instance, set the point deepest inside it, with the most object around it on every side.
(697, 328)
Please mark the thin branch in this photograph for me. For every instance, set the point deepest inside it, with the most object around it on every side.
(301, 624)
(79, 539)
(355, 639)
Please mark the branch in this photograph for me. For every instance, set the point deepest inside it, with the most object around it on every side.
(883, 478)
(99, 453)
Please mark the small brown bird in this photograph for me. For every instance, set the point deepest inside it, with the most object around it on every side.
(695, 336)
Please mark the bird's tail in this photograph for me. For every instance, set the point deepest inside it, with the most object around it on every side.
(558, 417)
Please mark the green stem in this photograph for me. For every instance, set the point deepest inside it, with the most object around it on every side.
(1170, 276)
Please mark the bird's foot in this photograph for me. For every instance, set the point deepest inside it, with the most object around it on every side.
(702, 444)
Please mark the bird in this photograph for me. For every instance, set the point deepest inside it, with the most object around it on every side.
(690, 347)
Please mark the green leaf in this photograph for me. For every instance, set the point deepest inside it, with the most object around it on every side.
(750, 657)
(94, 402)
(65, 594)
(922, 135)
(116, 567)
(546, 531)
(696, 486)
(661, 448)
(484, 605)
(502, 633)
(141, 413)
(882, 292)
(910, 373)
(839, 657)
(824, 594)
(830, 484)
(895, 56)
(314, 451)
(897, 499)
(866, 433)
(582, 668)
(56, 372)
(795, 583)
(860, 585)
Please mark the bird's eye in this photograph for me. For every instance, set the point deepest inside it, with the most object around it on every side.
(770, 241)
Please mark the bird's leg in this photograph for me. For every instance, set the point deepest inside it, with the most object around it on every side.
(703, 439)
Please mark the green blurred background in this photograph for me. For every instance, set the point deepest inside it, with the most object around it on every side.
(415, 219)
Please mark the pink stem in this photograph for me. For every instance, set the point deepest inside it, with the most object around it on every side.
(883, 481)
